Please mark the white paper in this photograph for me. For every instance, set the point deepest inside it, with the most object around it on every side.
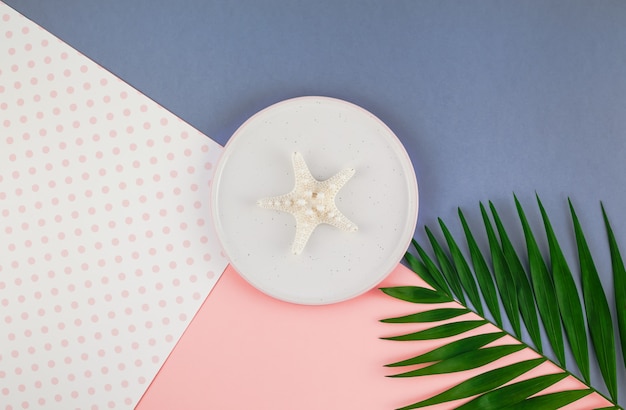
(106, 244)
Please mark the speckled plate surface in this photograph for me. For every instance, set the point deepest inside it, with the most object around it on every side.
(381, 198)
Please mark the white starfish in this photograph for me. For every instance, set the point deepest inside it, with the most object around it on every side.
(311, 202)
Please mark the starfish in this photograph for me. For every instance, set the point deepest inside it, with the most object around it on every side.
(311, 202)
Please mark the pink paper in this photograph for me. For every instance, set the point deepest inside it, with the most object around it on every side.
(106, 244)
(245, 350)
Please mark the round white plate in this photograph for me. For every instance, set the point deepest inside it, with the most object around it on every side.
(381, 199)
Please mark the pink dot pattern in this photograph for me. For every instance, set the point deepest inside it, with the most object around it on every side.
(106, 239)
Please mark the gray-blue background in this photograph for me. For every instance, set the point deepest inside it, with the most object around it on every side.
(488, 97)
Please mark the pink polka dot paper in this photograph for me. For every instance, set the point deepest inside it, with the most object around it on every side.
(106, 244)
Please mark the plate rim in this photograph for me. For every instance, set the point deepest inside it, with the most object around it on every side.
(406, 164)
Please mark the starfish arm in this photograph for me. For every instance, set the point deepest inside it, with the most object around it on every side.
(304, 229)
(301, 171)
(338, 220)
(280, 203)
(337, 181)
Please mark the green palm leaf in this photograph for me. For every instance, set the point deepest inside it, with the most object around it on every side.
(520, 279)
(480, 384)
(452, 277)
(465, 361)
(568, 300)
(551, 400)
(544, 289)
(434, 315)
(441, 331)
(483, 275)
(421, 269)
(453, 349)
(503, 276)
(551, 291)
(597, 309)
(463, 269)
(619, 283)
(512, 394)
(432, 271)
(417, 295)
